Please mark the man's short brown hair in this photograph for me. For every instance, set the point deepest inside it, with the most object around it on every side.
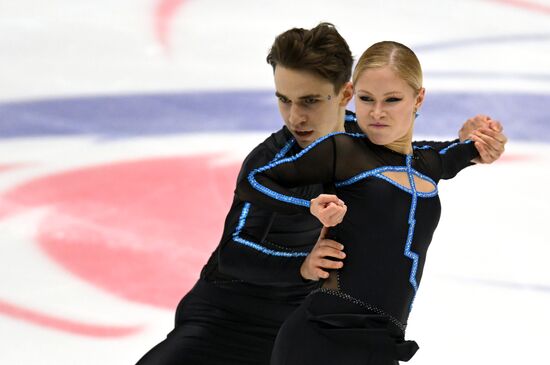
(320, 50)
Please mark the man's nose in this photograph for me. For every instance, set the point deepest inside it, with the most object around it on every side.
(296, 115)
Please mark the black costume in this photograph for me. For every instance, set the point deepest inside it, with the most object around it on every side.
(360, 314)
(252, 281)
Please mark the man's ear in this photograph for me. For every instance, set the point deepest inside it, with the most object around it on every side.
(346, 94)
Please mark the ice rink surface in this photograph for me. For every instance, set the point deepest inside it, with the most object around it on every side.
(123, 125)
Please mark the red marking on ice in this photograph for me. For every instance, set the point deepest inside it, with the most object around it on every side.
(7, 207)
(141, 230)
(529, 5)
(164, 12)
(7, 167)
(74, 327)
(506, 157)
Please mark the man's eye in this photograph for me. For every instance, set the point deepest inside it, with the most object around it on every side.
(283, 100)
(393, 100)
(310, 101)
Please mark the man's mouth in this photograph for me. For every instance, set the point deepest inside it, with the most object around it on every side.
(303, 133)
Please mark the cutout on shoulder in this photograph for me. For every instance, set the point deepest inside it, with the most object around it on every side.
(402, 178)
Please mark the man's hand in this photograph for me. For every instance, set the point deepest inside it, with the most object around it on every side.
(318, 261)
(328, 209)
(471, 125)
(487, 136)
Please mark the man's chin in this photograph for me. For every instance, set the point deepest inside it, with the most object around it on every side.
(305, 140)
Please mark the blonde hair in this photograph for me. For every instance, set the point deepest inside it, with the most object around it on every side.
(399, 57)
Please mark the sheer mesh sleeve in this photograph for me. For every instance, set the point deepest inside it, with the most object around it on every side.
(319, 163)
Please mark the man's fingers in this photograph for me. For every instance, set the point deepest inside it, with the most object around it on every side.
(321, 274)
(496, 125)
(495, 141)
(330, 264)
(490, 145)
(330, 243)
(479, 120)
(490, 133)
(494, 144)
(472, 124)
(482, 150)
(486, 153)
(323, 233)
(328, 252)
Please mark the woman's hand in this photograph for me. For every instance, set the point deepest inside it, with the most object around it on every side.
(328, 209)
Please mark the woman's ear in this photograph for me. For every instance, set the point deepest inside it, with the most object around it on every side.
(420, 98)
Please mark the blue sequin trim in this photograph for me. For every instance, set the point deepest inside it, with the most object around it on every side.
(244, 214)
(412, 222)
(284, 150)
(444, 151)
(378, 173)
(426, 147)
(268, 251)
(242, 218)
(428, 194)
(373, 172)
(351, 118)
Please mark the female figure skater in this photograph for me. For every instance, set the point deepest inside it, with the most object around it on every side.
(391, 210)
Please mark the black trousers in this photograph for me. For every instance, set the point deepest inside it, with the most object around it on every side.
(217, 327)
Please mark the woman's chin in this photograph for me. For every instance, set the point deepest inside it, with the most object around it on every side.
(376, 139)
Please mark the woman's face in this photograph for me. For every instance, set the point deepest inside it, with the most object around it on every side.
(385, 106)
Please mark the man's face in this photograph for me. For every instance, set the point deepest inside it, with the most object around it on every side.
(308, 104)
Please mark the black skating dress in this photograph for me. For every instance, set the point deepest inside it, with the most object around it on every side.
(360, 314)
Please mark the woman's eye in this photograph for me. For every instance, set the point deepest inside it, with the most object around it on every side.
(365, 98)
(393, 100)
